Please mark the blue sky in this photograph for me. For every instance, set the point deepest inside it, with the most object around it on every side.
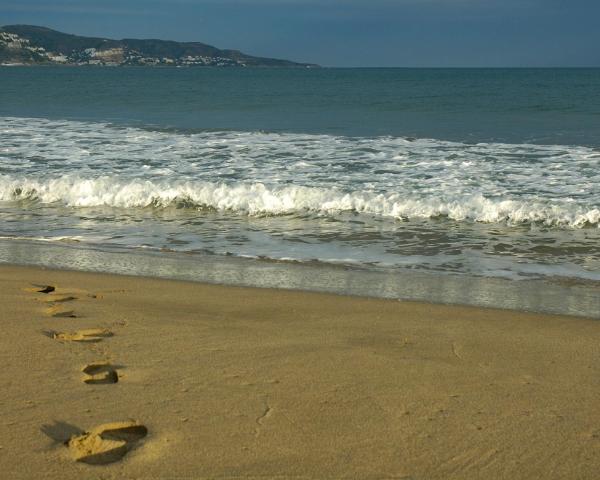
(429, 33)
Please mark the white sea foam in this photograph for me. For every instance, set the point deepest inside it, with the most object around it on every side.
(258, 199)
(82, 164)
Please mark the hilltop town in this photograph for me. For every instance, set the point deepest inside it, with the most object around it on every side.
(32, 45)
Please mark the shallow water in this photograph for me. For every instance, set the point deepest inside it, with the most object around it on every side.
(490, 173)
(549, 295)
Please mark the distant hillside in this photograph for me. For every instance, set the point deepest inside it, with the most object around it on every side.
(29, 44)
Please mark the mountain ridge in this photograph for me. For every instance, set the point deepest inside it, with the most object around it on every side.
(37, 45)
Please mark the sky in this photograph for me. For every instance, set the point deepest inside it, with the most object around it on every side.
(345, 33)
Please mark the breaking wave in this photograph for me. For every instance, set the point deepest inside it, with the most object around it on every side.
(259, 199)
(80, 164)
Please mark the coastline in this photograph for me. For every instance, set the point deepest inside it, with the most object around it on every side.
(238, 382)
(553, 295)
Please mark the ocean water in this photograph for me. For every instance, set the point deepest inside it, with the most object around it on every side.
(476, 173)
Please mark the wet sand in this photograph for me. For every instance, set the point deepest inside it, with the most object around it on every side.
(127, 377)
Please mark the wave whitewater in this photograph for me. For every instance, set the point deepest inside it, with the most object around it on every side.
(258, 199)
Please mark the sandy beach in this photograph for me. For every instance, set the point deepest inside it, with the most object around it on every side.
(210, 381)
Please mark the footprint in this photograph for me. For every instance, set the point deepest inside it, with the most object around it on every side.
(40, 288)
(106, 443)
(87, 335)
(56, 298)
(100, 373)
(58, 311)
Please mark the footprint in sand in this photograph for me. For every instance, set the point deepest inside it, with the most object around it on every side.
(100, 373)
(86, 335)
(53, 298)
(35, 288)
(58, 311)
(52, 291)
(106, 443)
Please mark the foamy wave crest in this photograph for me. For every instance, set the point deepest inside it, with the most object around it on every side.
(258, 199)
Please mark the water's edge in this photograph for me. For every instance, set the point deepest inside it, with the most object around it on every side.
(551, 296)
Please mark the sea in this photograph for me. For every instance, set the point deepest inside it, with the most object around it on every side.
(470, 186)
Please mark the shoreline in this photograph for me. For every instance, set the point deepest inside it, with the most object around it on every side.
(559, 296)
(238, 382)
(201, 283)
